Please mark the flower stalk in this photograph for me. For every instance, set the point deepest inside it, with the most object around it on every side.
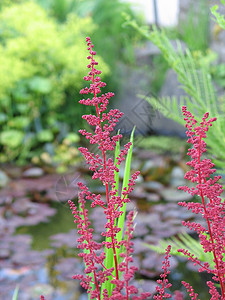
(108, 274)
(212, 208)
(108, 263)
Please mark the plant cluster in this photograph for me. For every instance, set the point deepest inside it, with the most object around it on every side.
(108, 270)
(105, 282)
(211, 207)
(195, 24)
(38, 80)
(108, 273)
(196, 80)
(114, 41)
(39, 40)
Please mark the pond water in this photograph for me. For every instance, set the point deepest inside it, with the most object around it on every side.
(38, 242)
(61, 222)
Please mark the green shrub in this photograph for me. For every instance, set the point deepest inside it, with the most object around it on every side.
(193, 73)
(196, 25)
(41, 74)
(113, 41)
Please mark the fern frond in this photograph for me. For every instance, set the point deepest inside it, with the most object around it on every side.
(219, 18)
(197, 83)
(183, 241)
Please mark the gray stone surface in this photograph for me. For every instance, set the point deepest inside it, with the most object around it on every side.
(33, 172)
(135, 88)
(174, 195)
(177, 177)
(137, 83)
(136, 110)
(163, 125)
(4, 179)
(153, 186)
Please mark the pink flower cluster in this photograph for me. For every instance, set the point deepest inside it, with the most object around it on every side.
(212, 208)
(164, 281)
(104, 169)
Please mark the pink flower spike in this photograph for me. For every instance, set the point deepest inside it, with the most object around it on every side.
(164, 281)
(190, 290)
(211, 207)
(104, 168)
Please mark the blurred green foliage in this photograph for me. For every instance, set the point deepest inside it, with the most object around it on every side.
(59, 8)
(194, 30)
(163, 144)
(114, 42)
(42, 65)
(193, 73)
(43, 61)
(209, 62)
(220, 19)
(159, 68)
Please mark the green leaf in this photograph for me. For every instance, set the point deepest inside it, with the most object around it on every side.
(219, 18)
(22, 108)
(11, 138)
(72, 137)
(45, 136)
(3, 118)
(117, 152)
(19, 122)
(20, 93)
(183, 241)
(16, 292)
(121, 220)
(109, 261)
(40, 85)
(196, 81)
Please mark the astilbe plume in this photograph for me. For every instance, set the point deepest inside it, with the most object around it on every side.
(104, 169)
(211, 207)
(163, 282)
(190, 290)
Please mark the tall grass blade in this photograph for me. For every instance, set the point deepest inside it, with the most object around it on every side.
(15, 294)
(125, 185)
(109, 261)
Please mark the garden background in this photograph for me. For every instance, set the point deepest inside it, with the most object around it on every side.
(42, 63)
